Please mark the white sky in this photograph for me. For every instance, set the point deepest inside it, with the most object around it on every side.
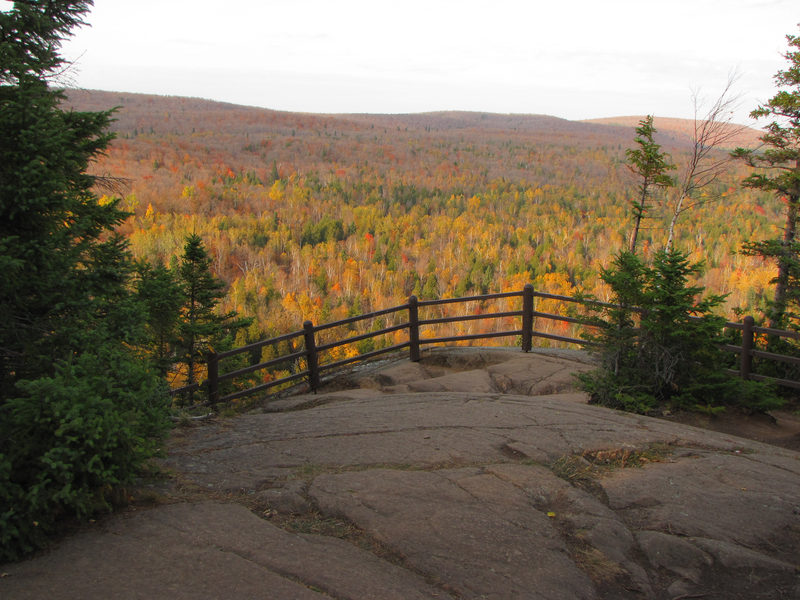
(574, 59)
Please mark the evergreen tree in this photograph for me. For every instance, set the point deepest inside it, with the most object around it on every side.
(781, 160)
(431, 289)
(79, 411)
(660, 341)
(158, 289)
(650, 165)
(274, 174)
(50, 222)
(199, 327)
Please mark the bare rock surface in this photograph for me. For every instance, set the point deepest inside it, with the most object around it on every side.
(494, 545)
(477, 473)
(545, 376)
(210, 550)
(477, 380)
(685, 497)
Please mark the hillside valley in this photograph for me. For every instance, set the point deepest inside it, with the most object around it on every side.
(326, 216)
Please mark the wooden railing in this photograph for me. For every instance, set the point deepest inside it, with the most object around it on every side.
(311, 351)
(748, 352)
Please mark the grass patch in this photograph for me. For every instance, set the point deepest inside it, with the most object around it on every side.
(598, 566)
(314, 523)
(583, 470)
(147, 497)
(593, 464)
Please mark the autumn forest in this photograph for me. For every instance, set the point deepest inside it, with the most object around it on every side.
(323, 217)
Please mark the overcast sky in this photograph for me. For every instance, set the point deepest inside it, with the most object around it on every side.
(575, 59)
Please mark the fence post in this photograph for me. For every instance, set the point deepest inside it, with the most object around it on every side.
(746, 364)
(311, 349)
(413, 328)
(213, 377)
(527, 317)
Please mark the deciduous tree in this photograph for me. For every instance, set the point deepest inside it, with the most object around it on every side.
(714, 129)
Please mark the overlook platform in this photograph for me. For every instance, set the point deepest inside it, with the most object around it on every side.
(476, 473)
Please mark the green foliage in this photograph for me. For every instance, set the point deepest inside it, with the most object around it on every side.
(31, 35)
(650, 165)
(200, 292)
(70, 439)
(431, 289)
(244, 332)
(199, 326)
(326, 230)
(79, 410)
(50, 227)
(60, 276)
(659, 341)
(781, 161)
(160, 292)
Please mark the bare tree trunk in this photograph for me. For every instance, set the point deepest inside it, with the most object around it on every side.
(675, 215)
(635, 234)
(637, 220)
(715, 129)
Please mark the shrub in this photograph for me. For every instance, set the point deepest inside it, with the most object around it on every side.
(69, 441)
(660, 342)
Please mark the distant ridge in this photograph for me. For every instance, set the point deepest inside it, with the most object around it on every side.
(149, 107)
(678, 129)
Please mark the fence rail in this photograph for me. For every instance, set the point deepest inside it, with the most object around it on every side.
(310, 352)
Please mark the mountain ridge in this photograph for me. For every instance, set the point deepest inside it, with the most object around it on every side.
(680, 130)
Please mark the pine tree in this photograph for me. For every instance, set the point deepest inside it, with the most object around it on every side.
(158, 289)
(659, 341)
(650, 165)
(51, 224)
(431, 289)
(781, 160)
(65, 272)
(79, 410)
(199, 327)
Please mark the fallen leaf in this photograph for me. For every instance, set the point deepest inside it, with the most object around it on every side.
(551, 514)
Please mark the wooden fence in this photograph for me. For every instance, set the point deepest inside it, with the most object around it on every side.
(311, 351)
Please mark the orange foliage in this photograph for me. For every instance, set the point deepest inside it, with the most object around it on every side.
(444, 203)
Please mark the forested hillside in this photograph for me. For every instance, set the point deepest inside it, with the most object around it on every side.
(320, 217)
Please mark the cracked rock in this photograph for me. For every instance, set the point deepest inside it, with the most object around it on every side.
(495, 544)
(287, 499)
(673, 554)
